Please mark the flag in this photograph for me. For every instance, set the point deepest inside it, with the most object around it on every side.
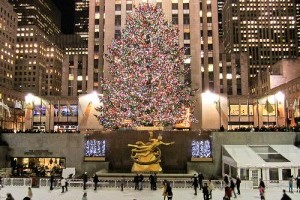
(5, 107)
(295, 105)
(268, 107)
(18, 104)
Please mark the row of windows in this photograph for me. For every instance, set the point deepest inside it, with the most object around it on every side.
(186, 6)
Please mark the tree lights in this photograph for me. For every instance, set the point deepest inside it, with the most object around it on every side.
(146, 74)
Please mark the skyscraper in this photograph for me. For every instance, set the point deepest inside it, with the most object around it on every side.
(41, 13)
(8, 35)
(82, 18)
(38, 58)
(298, 23)
(220, 18)
(263, 29)
(74, 72)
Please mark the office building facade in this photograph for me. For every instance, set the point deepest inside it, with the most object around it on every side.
(8, 35)
(74, 72)
(38, 64)
(298, 23)
(265, 30)
(41, 13)
(39, 60)
(81, 18)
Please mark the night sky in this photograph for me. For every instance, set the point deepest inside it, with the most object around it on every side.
(67, 8)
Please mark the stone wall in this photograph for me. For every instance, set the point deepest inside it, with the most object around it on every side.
(175, 158)
(69, 146)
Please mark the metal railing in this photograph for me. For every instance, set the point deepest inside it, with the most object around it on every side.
(17, 182)
(114, 182)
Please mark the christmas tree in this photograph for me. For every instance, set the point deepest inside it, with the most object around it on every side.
(146, 83)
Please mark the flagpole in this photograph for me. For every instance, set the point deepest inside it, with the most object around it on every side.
(229, 113)
(239, 113)
(49, 113)
(257, 110)
(41, 115)
(276, 110)
(268, 112)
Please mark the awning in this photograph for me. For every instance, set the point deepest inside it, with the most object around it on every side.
(262, 156)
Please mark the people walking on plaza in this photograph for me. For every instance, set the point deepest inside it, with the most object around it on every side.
(195, 183)
(63, 184)
(298, 183)
(154, 181)
(169, 191)
(140, 181)
(136, 182)
(211, 187)
(200, 179)
(232, 187)
(29, 194)
(151, 180)
(51, 180)
(85, 180)
(122, 183)
(205, 192)
(164, 187)
(9, 196)
(261, 189)
(95, 180)
(285, 196)
(291, 180)
(228, 193)
(226, 180)
(238, 185)
(84, 196)
(67, 184)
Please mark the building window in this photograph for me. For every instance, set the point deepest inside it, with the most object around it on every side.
(273, 172)
(186, 19)
(118, 7)
(186, 6)
(174, 6)
(174, 19)
(186, 36)
(128, 6)
(118, 20)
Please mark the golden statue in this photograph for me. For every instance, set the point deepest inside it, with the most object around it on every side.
(146, 156)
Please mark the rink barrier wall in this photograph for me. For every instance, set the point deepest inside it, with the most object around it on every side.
(115, 183)
(17, 182)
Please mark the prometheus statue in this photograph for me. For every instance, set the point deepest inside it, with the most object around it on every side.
(146, 156)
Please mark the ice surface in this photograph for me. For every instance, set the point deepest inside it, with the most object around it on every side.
(129, 194)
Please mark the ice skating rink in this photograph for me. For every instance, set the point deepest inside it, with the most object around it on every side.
(130, 194)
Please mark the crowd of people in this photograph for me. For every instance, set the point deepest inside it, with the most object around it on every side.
(231, 186)
(264, 129)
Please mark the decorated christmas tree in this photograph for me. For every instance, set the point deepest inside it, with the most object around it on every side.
(146, 82)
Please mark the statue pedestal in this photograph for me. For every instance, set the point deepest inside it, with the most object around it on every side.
(146, 168)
